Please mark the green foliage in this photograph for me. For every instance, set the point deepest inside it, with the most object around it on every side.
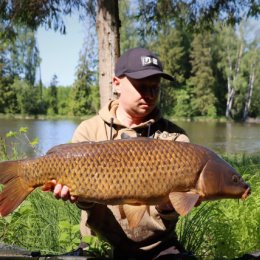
(194, 15)
(63, 97)
(28, 98)
(183, 105)
(42, 223)
(36, 13)
(19, 61)
(226, 228)
(21, 56)
(170, 43)
(10, 145)
(128, 31)
(24, 55)
(202, 81)
(52, 97)
(85, 99)
(97, 247)
(8, 98)
(170, 47)
(205, 64)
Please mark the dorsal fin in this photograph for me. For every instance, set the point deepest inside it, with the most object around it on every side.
(63, 147)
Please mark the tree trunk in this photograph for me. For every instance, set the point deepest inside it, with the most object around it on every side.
(230, 98)
(232, 79)
(107, 24)
(249, 94)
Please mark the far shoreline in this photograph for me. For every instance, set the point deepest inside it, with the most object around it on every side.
(221, 119)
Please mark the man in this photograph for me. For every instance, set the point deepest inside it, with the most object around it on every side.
(137, 79)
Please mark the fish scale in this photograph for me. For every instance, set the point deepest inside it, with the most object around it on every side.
(106, 166)
(130, 171)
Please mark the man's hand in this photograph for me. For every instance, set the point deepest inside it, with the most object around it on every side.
(60, 191)
(63, 192)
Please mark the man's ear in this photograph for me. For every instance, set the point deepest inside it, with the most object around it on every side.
(117, 83)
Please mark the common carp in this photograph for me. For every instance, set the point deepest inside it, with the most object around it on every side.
(139, 171)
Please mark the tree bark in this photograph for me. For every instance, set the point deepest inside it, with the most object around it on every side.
(249, 92)
(231, 79)
(230, 98)
(107, 24)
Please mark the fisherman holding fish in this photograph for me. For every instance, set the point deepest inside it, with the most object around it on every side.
(138, 74)
(129, 160)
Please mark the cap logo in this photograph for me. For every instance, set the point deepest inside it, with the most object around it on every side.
(146, 60)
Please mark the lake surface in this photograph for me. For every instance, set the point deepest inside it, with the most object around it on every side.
(220, 137)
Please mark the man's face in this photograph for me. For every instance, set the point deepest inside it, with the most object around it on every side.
(138, 97)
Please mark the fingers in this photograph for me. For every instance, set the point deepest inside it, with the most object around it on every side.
(63, 192)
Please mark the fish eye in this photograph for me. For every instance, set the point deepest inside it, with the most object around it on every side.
(235, 179)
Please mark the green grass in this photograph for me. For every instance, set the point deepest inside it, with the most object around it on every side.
(225, 228)
(42, 223)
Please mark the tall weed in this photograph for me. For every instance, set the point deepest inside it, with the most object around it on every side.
(41, 223)
(226, 228)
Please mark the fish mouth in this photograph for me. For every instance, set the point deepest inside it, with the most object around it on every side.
(246, 193)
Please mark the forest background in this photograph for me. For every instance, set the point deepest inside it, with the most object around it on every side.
(216, 71)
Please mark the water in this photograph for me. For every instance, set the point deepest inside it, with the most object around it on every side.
(49, 132)
(225, 137)
(221, 137)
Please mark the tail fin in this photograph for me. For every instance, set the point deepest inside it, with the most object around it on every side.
(15, 188)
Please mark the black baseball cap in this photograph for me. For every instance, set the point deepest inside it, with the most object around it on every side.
(139, 63)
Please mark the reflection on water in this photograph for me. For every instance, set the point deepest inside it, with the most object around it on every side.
(49, 132)
(221, 137)
(225, 137)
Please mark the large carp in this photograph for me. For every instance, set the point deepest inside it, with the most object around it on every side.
(139, 171)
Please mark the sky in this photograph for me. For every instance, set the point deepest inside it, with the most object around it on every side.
(60, 53)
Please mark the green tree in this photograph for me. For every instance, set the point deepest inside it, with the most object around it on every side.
(19, 59)
(202, 81)
(255, 108)
(8, 100)
(231, 50)
(28, 98)
(23, 55)
(83, 100)
(251, 67)
(64, 96)
(195, 15)
(29, 59)
(151, 13)
(170, 48)
(182, 107)
(128, 30)
(52, 98)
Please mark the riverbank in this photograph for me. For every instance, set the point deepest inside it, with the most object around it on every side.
(43, 117)
(80, 118)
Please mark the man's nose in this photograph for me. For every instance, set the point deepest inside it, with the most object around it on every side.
(150, 92)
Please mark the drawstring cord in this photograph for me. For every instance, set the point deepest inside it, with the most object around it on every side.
(149, 129)
(111, 127)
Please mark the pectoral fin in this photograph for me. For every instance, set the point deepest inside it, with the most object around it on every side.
(183, 202)
(134, 214)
